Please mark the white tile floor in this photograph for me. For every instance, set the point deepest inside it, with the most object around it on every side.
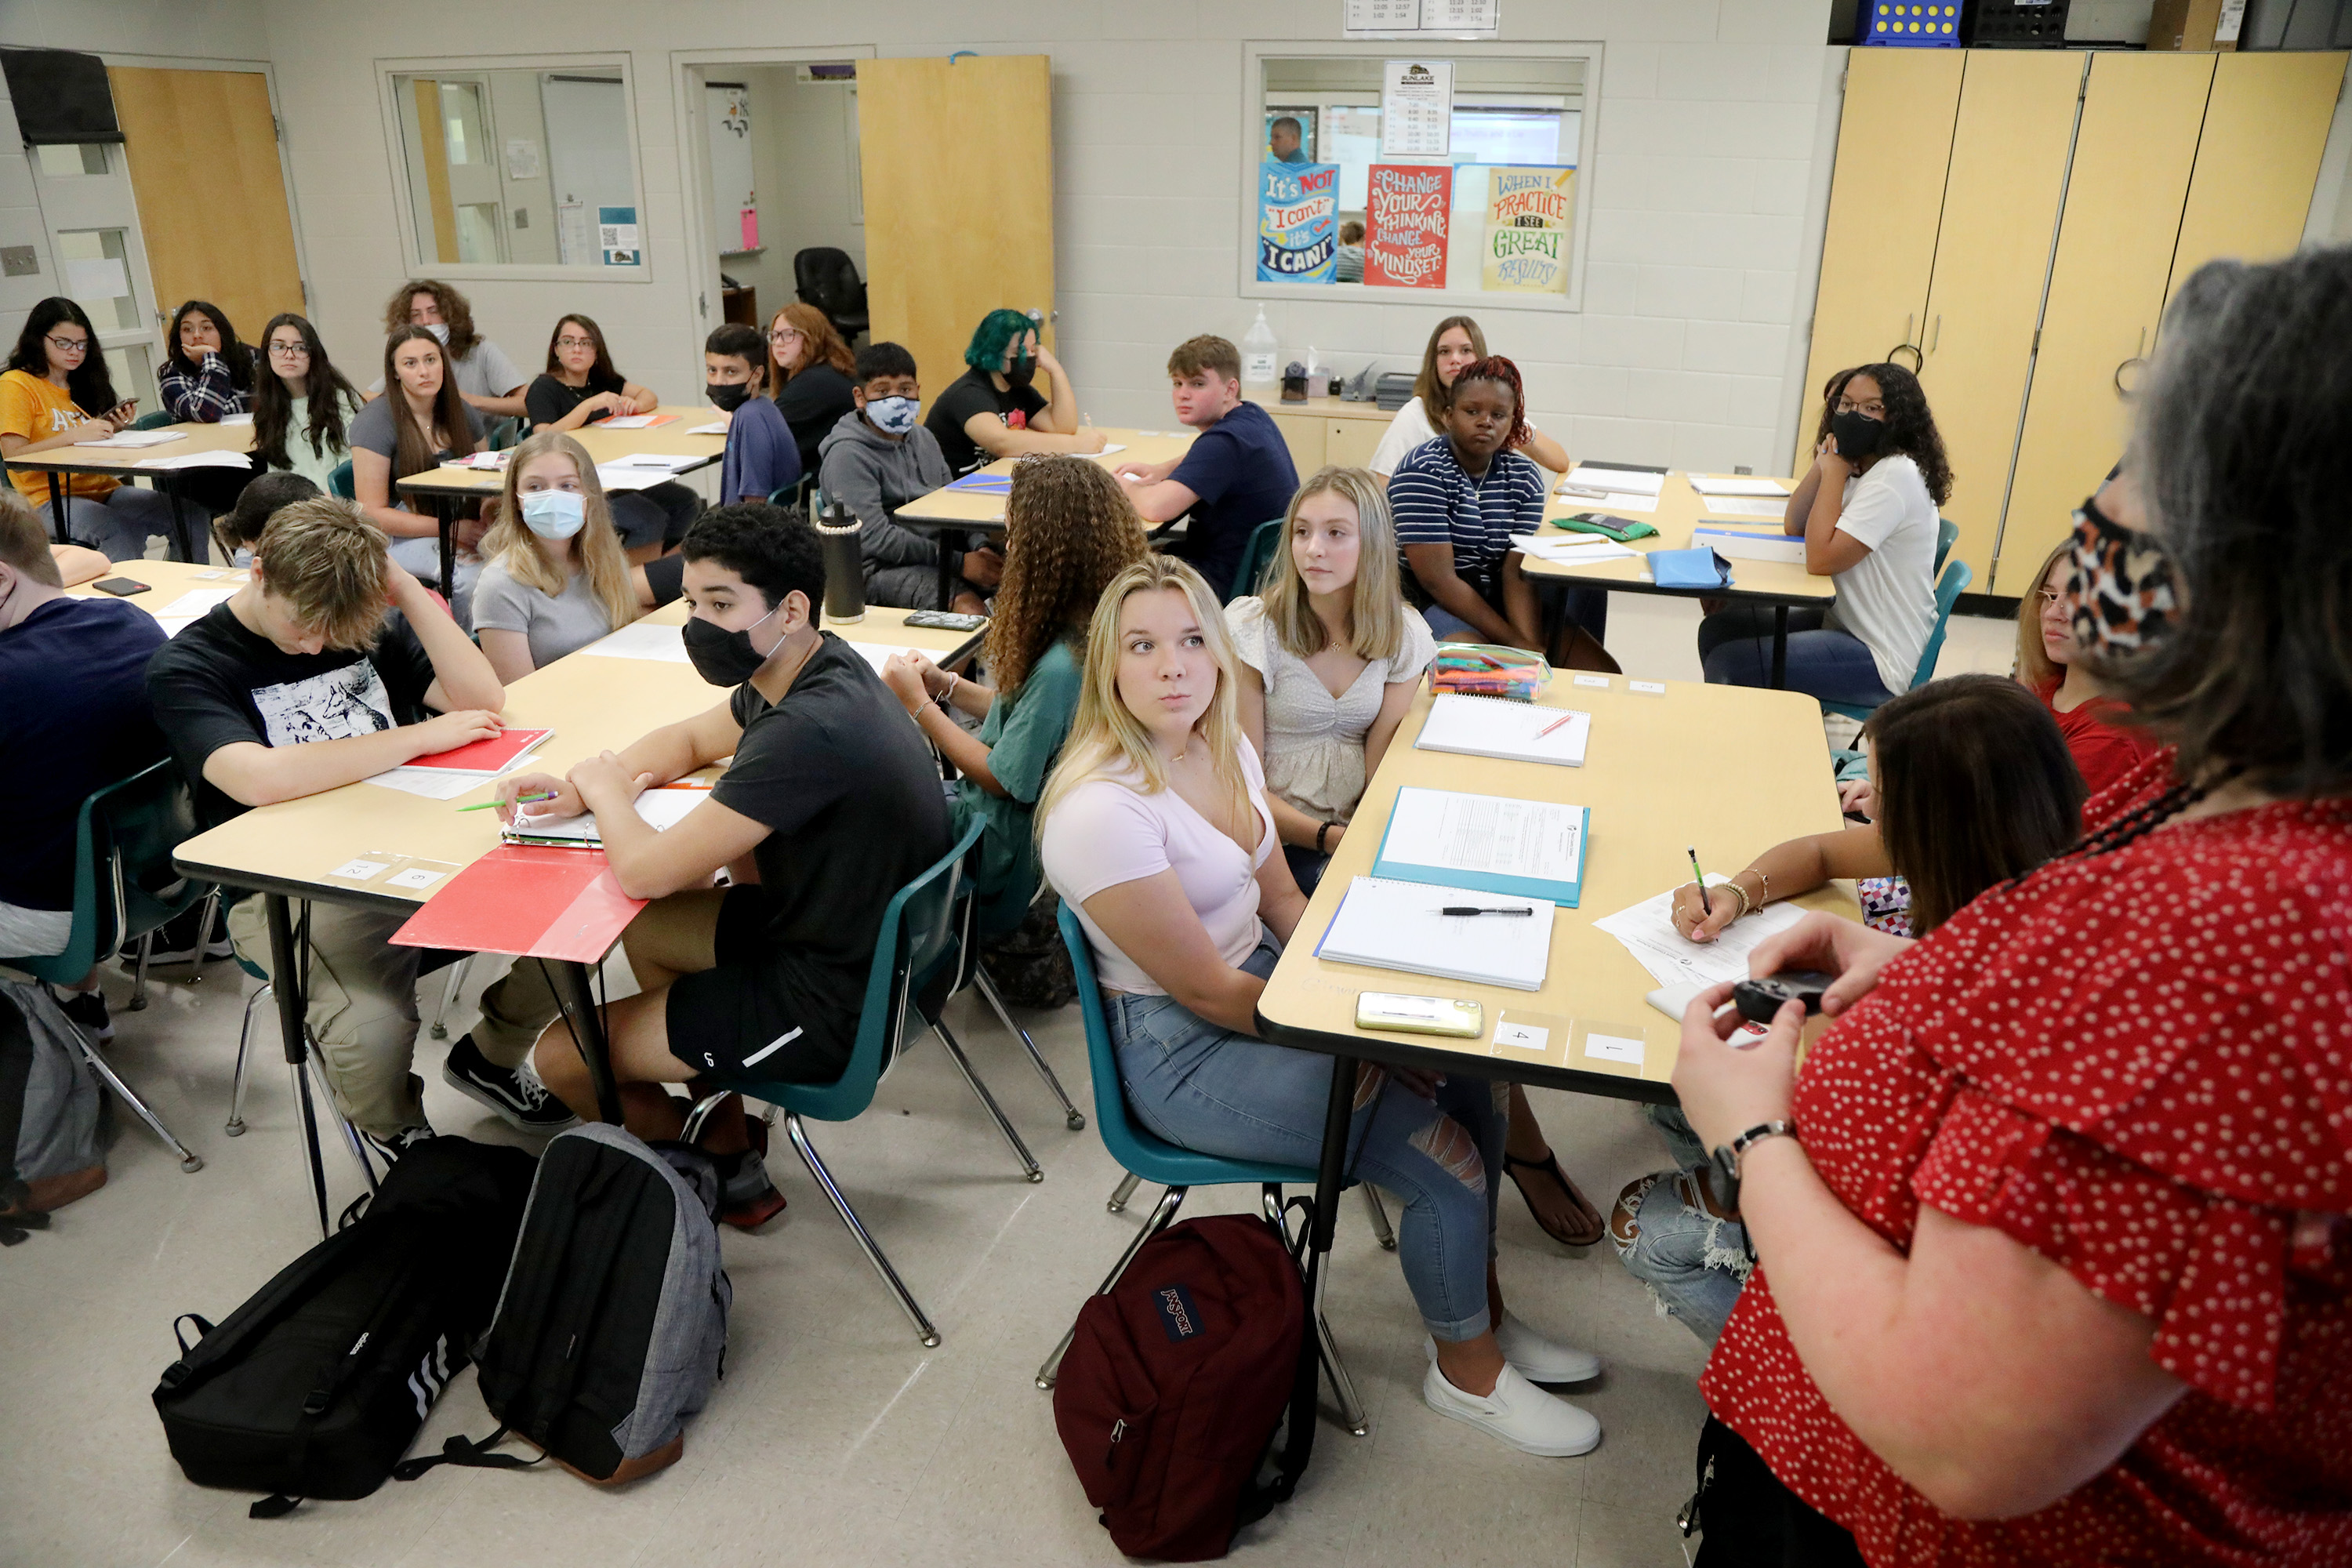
(835, 1439)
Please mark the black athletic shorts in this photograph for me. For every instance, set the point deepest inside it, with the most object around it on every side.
(745, 1020)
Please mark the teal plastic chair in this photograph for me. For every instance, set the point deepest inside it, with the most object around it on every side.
(1264, 541)
(125, 886)
(156, 421)
(918, 961)
(1147, 1157)
(1948, 533)
(339, 482)
(506, 433)
(1948, 588)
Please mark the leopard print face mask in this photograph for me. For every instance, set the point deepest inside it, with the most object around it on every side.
(2122, 585)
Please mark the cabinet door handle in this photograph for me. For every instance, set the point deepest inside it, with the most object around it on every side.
(2139, 356)
(1917, 360)
(1936, 333)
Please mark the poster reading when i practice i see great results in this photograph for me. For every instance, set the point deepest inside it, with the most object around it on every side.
(1528, 211)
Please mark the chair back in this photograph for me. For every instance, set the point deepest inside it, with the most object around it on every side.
(826, 277)
(1257, 556)
(339, 481)
(1948, 589)
(124, 882)
(918, 957)
(156, 421)
(1145, 1154)
(1948, 533)
(504, 434)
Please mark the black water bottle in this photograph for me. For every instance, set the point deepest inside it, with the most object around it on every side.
(844, 561)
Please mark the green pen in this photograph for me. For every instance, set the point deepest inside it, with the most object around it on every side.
(519, 800)
(1705, 906)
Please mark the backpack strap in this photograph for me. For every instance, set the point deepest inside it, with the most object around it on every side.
(261, 1312)
(472, 1455)
(202, 1328)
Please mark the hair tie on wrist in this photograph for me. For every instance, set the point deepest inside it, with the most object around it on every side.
(1319, 832)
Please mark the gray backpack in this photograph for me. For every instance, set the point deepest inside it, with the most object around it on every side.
(611, 1326)
(48, 1108)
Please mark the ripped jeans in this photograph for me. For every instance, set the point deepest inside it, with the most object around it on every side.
(1211, 1089)
(1695, 1263)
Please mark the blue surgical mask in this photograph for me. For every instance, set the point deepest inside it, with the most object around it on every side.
(243, 558)
(555, 514)
(894, 416)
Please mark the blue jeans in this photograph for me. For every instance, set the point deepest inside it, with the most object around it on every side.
(118, 524)
(1694, 1264)
(1587, 608)
(1735, 648)
(1218, 1092)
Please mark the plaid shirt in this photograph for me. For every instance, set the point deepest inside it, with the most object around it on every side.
(202, 398)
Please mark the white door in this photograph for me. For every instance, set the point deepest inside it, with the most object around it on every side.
(92, 218)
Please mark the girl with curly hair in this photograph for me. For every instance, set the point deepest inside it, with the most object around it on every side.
(1069, 531)
(487, 379)
(1866, 512)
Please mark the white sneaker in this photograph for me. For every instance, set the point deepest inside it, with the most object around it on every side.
(1535, 1358)
(1517, 1413)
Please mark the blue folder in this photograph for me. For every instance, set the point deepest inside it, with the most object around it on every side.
(1700, 568)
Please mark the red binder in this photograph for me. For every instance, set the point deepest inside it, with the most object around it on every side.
(530, 902)
(490, 756)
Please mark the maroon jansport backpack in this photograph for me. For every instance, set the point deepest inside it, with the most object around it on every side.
(1174, 1385)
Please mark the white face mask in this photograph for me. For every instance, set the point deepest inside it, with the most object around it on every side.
(440, 331)
(555, 514)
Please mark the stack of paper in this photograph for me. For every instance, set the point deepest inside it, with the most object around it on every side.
(191, 607)
(643, 639)
(1570, 549)
(1648, 932)
(135, 438)
(636, 421)
(1401, 926)
(662, 808)
(1747, 544)
(491, 462)
(716, 427)
(1526, 847)
(1735, 485)
(1616, 481)
(1511, 731)
(1776, 507)
(641, 471)
(199, 460)
(445, 775)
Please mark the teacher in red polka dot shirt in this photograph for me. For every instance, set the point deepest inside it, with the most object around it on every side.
(2053, 1260)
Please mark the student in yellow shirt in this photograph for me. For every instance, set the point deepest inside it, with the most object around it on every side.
(57, 392)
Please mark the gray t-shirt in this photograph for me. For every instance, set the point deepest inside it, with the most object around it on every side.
(555, 625)
(370, 430)
(485, 372)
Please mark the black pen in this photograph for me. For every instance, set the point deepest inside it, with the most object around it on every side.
(1475, 909)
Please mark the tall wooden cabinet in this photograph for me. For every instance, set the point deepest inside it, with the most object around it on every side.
(2042, 206)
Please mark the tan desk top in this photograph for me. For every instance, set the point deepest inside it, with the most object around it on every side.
(980, 508)
(124, 460)
(1680, 508)
(1656, 779)
(593, 703)
(169, 579)
(1323, 407)
(602, 445)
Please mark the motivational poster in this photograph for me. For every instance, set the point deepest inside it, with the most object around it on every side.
(1298, 222)
(1405, 216)
(1529, 210)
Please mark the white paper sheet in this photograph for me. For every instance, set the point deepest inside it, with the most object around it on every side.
(664, 462)
(136, 438)
(174, 625)
(1735, 485)
(642, 639)
(1569, 550)
(432, 784)
(1743, 507)
(198, 460)
(194, 603)
(716, 427)
(1541, 841)
(1647, 930)
(1385, 925)
(1602, 501)
(660, 808)
(1616, 481)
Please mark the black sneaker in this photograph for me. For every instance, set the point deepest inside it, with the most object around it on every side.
(175, 941)
(518, 1097)
(399, 1143)
(88, 1009)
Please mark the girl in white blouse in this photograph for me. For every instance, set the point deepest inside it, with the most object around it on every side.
(1330, 653)
(1456, 345)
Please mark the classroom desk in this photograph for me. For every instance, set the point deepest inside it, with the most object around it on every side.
(1735, 768)
(1680, 510)
(949, 507)
(122, 463)
(450, 484)
(289, 852)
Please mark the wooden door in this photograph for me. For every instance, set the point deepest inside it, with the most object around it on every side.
(2124, 202)
(203, 150)
(2001, 196)
(957, 158)
(2258, 159)
(1886, 198)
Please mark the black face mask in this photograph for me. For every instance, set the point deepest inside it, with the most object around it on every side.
(1858, 435)
(720, 657)
(728, 397)
(1022, 371)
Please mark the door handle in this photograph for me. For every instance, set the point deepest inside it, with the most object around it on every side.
(1917, 360)
(1936, 333)
(2139, 356)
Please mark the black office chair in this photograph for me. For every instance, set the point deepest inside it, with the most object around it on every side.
(827, 279)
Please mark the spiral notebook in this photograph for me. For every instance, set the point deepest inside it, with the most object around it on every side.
(1400, 925)
(1509, 732)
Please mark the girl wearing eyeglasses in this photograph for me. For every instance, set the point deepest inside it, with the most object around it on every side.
(814, 368)
(579, 388)
(302, 405)
(2050, 664)
(56, 392)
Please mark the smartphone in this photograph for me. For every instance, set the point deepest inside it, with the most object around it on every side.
(1759, 1001)
(121, 587)
(945, 621)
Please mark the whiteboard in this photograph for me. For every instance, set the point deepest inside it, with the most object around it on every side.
(727, 122)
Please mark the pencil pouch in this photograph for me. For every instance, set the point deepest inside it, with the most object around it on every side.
(1483, 670)
(1700, 568)
(1620, 529)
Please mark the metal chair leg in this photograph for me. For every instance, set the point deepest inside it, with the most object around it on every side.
(138, 1003)
(963, 1065)
(190, 1160)
(799, 1136)
(440, 1029)
(1163, 1216)
(1327, 1349)
(1379, 1214)
(1118, 1204)
(353, 1144)
(1071, 1116)
(235, 1127)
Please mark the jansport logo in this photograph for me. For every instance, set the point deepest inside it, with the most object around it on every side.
(1178, 1317)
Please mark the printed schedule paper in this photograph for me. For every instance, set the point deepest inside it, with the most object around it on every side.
(1498, 845)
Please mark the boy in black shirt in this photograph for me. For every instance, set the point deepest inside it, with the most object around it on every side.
(296, 686)
(833, 799)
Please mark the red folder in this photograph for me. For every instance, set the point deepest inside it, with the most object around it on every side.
(490, 756)
(530, 902)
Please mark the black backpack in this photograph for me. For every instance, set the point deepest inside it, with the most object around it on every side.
(613, 1324)
(318, 1384)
